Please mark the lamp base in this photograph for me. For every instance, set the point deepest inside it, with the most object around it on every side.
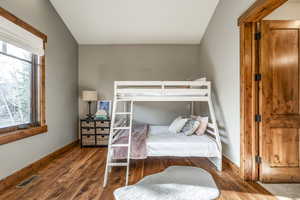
(89, 117)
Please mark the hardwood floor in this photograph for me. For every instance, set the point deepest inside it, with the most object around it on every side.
(78, 174)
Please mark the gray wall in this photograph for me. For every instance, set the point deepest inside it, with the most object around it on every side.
(101, 65)
(61, 87)
(219, 55)
(288, 11)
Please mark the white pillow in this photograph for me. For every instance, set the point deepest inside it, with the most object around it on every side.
(177, 125)
(172, 127)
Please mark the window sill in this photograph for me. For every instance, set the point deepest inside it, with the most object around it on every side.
(12, 136)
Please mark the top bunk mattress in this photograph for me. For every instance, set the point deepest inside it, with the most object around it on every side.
(161, 142)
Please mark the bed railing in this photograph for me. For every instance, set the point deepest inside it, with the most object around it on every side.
(163, 88)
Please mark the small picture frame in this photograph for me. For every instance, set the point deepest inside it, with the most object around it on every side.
(104, 105)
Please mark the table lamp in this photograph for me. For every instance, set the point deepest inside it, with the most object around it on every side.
(89, 96)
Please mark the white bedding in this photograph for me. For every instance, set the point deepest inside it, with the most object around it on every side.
(161, 142)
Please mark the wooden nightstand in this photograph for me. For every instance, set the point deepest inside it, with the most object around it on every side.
(94, 133)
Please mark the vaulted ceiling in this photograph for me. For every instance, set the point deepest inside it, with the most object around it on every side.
(136, 21)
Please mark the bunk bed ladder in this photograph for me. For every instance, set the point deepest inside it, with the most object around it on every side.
(111, 146)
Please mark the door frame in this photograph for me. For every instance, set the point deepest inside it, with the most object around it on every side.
(249, 50)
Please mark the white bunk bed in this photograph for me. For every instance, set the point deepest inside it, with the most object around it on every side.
(160, 141)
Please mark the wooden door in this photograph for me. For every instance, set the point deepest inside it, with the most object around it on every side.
(280, 102)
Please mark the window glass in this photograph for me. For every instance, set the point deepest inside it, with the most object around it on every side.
(15, 87)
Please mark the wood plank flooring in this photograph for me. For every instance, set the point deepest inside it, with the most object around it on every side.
(78, 174)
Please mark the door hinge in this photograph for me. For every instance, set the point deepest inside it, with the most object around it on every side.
(257, 77)
(257, 118)
(258, 159)
(258, 36)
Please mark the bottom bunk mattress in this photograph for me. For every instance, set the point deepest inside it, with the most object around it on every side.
(161, 142)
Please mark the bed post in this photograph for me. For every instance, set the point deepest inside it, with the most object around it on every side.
(217, 161)
(192, 108)
(109, 153)
(125, 109)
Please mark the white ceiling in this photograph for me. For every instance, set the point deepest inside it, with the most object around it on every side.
(136, 21)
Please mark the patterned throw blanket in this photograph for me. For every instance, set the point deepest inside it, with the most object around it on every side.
(138, 143)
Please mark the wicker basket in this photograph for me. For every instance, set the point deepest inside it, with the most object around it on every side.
(88, 140)
(102, 124)
(102, 139)
(88, 131)
(87, 124)
(102, 130)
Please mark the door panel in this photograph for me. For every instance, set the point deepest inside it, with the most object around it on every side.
(285, 71)
(284, 145)
(279, 101)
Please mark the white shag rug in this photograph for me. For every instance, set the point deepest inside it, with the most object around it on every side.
(175, 183)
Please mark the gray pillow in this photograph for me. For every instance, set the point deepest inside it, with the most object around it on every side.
(190, 127)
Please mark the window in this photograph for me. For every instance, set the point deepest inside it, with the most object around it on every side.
(18, 87)
(22, 79)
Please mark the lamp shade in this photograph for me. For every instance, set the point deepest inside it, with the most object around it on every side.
(89, 95)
